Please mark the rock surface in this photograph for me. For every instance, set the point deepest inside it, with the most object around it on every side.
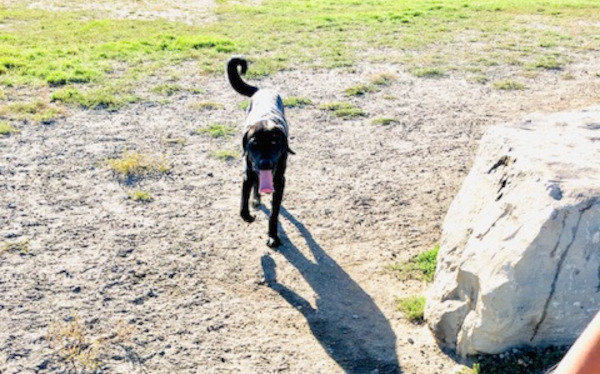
(519, 260)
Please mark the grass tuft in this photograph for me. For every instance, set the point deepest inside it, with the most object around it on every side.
(218, 130)
(548, 63)
(167, 89)
(413, 308)
(135, 165)
(343, 109)
(429, 72)
(141, 196)
(37, 111)
(225, 155)
(21, 246)
(296, 102)
(383, 121)
(420, 267)
(508, 85)
(7, 129)
(359, 90)
(383, 79)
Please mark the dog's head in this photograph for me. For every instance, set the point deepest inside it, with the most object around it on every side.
(265, 143)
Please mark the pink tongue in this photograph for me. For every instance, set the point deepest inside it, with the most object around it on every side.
(265, 178)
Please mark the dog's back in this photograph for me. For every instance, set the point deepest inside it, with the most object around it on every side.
(266, 105)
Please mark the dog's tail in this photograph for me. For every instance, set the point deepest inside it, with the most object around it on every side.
(235, 79)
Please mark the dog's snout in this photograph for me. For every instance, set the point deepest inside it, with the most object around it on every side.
(265, 164)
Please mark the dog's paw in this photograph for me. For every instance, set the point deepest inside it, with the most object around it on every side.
(248, 217)
(255, 203)
(273, 242)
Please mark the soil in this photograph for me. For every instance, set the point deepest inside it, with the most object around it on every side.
(182, 284)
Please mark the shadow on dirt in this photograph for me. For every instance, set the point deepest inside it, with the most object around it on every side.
(346, 321)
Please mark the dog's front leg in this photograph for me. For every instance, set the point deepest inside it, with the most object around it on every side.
(249, 181)
(279, 185)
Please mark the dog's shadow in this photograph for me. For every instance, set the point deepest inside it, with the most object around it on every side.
(346, 321)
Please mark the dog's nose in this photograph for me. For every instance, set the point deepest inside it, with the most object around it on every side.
(265, 164)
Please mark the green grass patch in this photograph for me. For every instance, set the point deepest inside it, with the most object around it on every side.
(359, 90)
(383, 121)
(296, 102)
(431, 72)
(548, 63)
(412, 307)
(135, 165)
(420, 267)
(508, 85)
(343, 110)
(109, 98)
(86, 53)
(141, 196)
(7, 129)
(225, 155)
(218, 130)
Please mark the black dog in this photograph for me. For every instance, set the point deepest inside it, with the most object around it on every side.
(265, 145)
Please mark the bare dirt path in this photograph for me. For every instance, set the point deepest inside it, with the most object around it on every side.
(180, 284)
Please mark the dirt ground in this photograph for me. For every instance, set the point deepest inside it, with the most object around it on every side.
(178, 284)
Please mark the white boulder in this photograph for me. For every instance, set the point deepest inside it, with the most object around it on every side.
(519, 259)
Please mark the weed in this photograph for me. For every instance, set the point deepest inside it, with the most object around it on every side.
(384, 121)
(413, 308)
(225, 155)
(141, 196)
(7, 129)
(383, 79)
(359, 90)
(342, 109)
(135, 165)
(206, 105)
(293, 102)
(420, 267)
(508, 85)
(218, 130)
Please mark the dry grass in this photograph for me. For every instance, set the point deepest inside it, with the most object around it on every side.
(135, 165)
